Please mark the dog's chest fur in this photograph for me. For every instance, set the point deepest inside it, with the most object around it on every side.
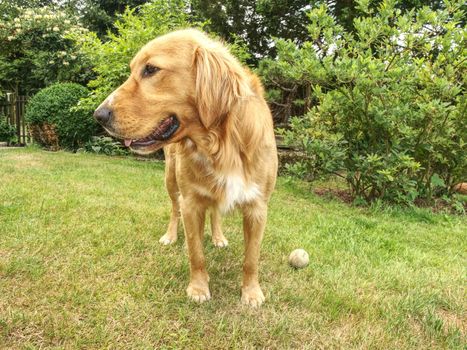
(228, 189)
(236, 191)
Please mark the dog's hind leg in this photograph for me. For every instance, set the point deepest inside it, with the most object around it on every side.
(218, 238)
(172, 188)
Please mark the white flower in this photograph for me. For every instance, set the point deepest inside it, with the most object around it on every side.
(16, 19)
(51, 62)
(55, 29)
(67, 21)
(65, 63)
(10, 38)
(73, 57)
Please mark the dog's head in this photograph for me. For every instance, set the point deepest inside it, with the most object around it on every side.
(181, 84)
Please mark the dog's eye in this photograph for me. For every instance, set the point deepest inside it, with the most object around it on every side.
(149, 70)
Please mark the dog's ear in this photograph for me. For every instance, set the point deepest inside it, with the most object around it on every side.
(220, 83)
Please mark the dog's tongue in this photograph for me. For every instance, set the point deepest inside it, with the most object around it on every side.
(127, 143)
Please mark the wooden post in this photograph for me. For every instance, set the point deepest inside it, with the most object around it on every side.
(16, 113)
(23, 122)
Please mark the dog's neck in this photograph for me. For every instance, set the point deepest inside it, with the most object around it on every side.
(220, 146)
(234, 142)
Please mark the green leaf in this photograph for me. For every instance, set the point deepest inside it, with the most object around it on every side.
(437, 181)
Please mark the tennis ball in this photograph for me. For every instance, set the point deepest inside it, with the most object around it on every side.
(299, 258)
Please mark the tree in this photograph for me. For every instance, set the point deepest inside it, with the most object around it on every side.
(36, 50)
(345, 11)
(255, 21)
(99, 15)
(12, 8)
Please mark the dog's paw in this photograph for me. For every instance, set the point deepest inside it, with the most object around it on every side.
(198, 294)
(167, 239)
(252, 296)
(220, 242)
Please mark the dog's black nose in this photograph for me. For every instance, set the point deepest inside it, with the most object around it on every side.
(103, 115)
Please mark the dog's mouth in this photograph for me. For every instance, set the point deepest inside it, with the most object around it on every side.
(164, 131)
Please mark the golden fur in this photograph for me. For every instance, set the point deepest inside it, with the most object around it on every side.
(222, 156)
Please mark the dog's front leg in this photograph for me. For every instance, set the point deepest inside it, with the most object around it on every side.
(254, 222)
(218, 238)
(193, 214)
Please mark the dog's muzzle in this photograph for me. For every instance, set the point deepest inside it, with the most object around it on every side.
(164, 131)
(103, 115)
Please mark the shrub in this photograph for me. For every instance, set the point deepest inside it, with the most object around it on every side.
(385, 107)
(7, 131)
(105, 145)
(54, 119)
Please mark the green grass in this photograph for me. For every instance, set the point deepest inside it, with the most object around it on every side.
(81, 267)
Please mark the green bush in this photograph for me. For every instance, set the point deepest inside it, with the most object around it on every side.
(385, 107)
(54, 119)
(105, 145)
(7, 131)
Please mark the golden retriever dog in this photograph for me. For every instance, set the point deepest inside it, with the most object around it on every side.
(188, 94)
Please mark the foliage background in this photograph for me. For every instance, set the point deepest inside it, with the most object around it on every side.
(369, 91)
(384, 106)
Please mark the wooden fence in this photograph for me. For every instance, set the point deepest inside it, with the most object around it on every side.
(12, 108)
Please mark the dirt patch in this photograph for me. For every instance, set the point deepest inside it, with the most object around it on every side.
(335, 193)
(461, 188)
(452, 320)
(438, 205)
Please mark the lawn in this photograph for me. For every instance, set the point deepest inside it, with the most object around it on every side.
(81, 267)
